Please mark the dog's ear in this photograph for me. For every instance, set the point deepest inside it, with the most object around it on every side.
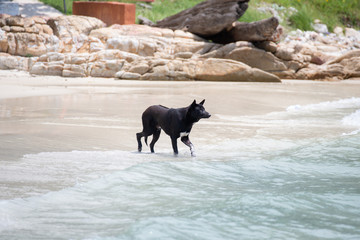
(202, 102)
(193, 103)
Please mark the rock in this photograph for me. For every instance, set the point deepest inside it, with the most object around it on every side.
(16, 29)
(194, 69)
(161, 44)
(351, 67)
(110, 54)
(73, 26)
(339, 31)
(185, 55)
(267, 46)
(229, 70)
(145, 21)
(139, 46)
(257, 58)
(73, 30)
(352, 33)
(3, 41)
(13, 62)
(15, 21)
(224, 50)
(320, 28)
(348, 55)
(140, 67)
(150, 53)
(74, 70)
(206, 18)
(262, 30)
(127, 75)
(285, 53)
(50, 68)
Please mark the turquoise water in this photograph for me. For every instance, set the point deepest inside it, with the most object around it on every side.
(292, 174)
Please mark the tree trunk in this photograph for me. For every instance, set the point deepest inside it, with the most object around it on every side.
(207, 18)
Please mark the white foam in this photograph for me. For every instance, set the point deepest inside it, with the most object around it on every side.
(352, 119)
(326, 106)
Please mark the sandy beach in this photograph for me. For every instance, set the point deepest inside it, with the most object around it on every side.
(48, 113)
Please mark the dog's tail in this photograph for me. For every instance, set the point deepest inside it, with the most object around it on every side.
(146, 140)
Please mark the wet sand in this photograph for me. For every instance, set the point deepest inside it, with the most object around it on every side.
(49, 114)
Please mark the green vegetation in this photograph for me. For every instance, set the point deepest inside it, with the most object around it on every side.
(331, 12)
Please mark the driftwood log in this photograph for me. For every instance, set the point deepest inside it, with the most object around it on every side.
(216, 20)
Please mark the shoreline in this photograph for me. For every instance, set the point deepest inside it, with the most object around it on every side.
(56, 114)
(27, 85)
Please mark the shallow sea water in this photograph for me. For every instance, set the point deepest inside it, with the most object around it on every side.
(296, 177)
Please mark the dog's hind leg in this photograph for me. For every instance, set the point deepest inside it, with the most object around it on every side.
(156, 136)
(138, 137)
(187, 142)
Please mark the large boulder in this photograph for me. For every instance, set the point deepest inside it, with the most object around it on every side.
(74, 26)
(210, 69)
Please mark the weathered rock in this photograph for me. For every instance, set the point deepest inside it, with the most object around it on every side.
(348, 55)
(15, 21)
(149, 53)
(73, 30)
(158, 42)
(13, 62)
(139, 46)
(3, 41)
(343, 67)
(255, 31)
(229, 70)
(74, 26)
(206, 18)
(225, 50)
(339, 31)
(195, 69)
(267, 46)
(352, 33)
(247, 53)
(257, 58)
(127, 75)
(320, 27)
(184, 55)
(73, 70)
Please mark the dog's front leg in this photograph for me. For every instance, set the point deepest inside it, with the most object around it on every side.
(187, 142)
(174, 144)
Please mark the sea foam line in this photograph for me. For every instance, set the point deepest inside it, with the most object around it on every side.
(328, 105)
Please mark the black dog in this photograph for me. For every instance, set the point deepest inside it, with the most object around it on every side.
(175, 122)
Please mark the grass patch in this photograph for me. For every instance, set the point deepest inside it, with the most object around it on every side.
(333, 13)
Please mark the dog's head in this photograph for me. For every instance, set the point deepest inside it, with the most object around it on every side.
(197, 111)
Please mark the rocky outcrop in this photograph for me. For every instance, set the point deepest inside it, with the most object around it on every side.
(36, 36)
(60, 47)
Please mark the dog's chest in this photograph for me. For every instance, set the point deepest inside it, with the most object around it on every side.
(184, 134)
